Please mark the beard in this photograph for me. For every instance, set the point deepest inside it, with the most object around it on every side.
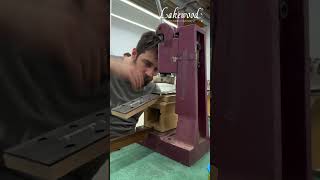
(147, 80)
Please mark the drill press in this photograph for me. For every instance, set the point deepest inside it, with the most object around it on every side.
(182, 51)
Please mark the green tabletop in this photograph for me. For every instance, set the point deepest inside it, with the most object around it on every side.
(138, 162)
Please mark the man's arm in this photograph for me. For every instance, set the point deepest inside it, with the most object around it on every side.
(126, 71)
(116, 66)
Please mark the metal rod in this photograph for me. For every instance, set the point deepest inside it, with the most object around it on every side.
(159, 10)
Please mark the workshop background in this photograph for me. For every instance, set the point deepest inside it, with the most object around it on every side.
(128, 23)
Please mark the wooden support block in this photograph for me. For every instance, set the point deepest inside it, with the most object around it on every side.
(162, 123)
(168, 98)
(151, 117)
(161, 116)
(167, 122)
(165, 107)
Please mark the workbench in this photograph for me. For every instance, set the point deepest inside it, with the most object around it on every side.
(138, 162)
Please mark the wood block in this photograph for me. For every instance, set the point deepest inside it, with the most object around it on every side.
(161, 117)
(163, 123)
(167, 122)
(168, 98)
(151, 117)
(165, 107)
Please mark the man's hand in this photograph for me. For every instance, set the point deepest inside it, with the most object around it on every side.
(135, 77)
(126, 70)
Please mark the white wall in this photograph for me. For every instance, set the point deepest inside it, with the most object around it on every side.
(124, 36)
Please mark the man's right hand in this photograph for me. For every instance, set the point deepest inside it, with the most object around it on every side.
(135, 77)
(127, 71)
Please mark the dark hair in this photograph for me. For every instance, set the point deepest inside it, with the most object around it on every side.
(148, 41)
(127, 54)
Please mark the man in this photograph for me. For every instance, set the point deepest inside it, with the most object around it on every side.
(131, 79)
(53, 70)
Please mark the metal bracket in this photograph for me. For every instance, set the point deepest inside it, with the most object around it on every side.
(135, 106)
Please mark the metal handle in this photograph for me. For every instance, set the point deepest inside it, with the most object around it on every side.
(159, 10)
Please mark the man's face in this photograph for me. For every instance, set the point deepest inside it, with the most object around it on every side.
(147, 63)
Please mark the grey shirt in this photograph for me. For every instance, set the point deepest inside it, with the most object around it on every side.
(120, 93)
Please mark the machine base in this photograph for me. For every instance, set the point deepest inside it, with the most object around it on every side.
(167, 145)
